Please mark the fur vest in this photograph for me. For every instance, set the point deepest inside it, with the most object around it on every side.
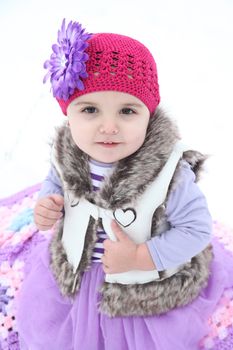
(128, 181)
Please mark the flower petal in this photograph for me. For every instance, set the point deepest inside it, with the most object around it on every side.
(55, 48)
(46, 77)
(80, 85)
(66, 66)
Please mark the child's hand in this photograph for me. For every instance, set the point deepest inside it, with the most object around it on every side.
(47, 211)
(125, 255)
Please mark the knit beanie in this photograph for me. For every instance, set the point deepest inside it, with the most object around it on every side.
(82, 63)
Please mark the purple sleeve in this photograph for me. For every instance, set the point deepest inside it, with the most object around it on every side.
(52, 184)
(190, 225)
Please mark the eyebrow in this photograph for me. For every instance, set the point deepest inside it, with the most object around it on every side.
(96, 104)
(85, 103)
(132, 105)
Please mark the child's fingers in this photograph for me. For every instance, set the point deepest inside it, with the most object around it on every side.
(48, 203)
(43, 221)
(48, 212)
(44, 227)
(57, 199)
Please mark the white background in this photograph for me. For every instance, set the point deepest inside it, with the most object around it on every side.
(192, 42)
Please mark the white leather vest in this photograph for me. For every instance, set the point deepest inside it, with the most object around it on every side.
(135, 219)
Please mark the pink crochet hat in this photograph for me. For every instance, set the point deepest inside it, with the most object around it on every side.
(103, 62)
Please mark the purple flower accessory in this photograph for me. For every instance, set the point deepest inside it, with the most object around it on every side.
(66, 66)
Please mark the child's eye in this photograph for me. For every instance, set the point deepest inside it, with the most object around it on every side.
(127, 111)
(89, 110)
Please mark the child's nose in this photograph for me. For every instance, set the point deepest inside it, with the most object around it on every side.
(109, 128)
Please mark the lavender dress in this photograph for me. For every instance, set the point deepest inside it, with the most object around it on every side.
(48, 321)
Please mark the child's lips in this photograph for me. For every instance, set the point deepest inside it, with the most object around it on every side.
(108, 144)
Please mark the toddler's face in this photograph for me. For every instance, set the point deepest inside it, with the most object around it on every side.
(108, 125)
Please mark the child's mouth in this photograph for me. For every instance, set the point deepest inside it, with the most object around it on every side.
(108, 144)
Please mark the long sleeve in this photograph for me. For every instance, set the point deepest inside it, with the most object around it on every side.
(51, 184)
(190, 225)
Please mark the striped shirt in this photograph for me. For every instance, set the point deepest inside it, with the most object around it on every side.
(98, 172)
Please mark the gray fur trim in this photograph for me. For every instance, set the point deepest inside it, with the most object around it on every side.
(156, 298)
(196, 160)
(67, 280)
(128, 180)
(73, 162)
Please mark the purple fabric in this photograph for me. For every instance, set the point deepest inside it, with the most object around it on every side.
(98, 250)
(191, 225)
(97, 177)
(95, 188)
(101, 240)
(103, 165)
(46, 320)
(12, 254)
(51, 184)
(225, 344)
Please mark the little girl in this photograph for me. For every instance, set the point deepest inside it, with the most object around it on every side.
(131, 264)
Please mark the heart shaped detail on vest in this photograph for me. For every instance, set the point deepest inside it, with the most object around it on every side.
(125, 217)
